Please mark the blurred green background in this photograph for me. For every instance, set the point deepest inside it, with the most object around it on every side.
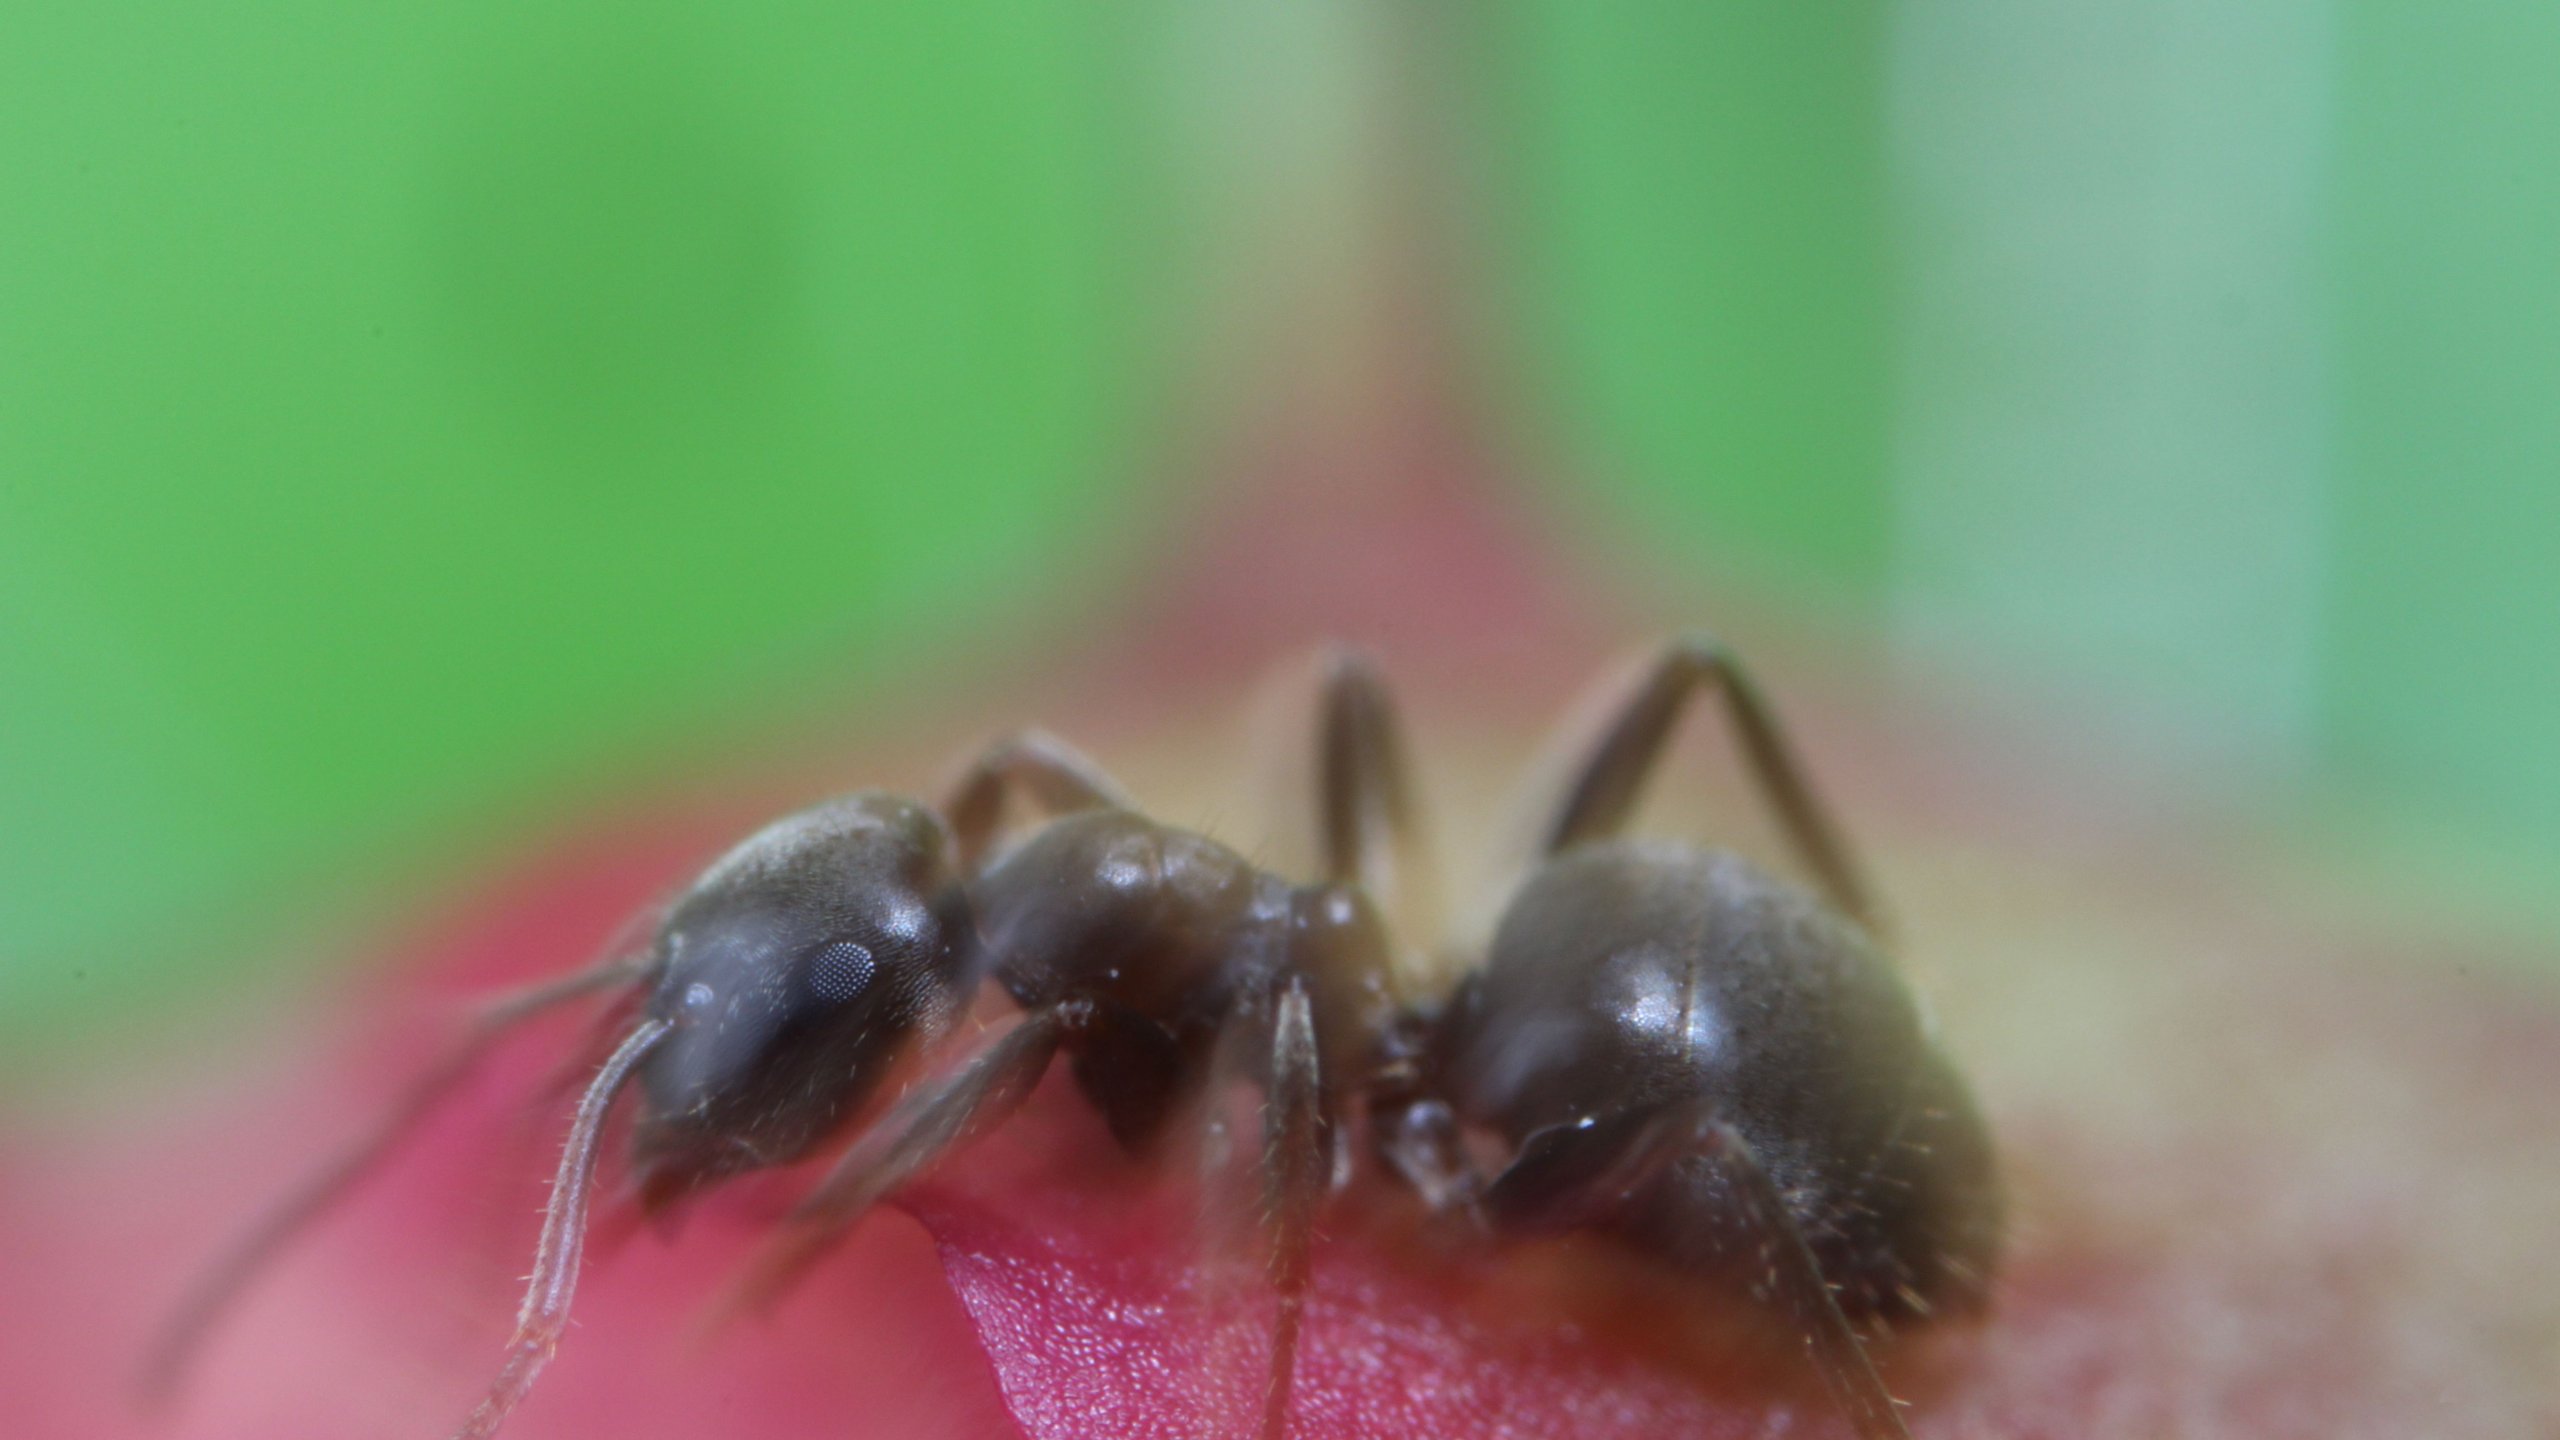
(404, 408)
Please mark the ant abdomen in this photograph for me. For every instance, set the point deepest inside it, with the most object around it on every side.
(1646, 1003)
(794, 973)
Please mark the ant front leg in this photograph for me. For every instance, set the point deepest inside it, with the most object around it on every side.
(1608, 771)
(931, 1123)
(1054, 775)
(222, 1284)
(1572, 1177)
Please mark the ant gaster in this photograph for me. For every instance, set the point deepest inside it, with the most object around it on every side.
(1660, 1042)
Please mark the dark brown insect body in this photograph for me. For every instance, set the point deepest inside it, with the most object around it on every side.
(1660, 1042)
(790, 977)
(1641, 992)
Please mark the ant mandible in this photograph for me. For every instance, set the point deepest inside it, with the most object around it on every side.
(1663, 1042)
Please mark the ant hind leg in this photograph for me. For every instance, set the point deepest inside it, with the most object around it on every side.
(1261, 1203)
(1576, 1176)
(1794, 1283)
(1294, 1176)
(1629, 725)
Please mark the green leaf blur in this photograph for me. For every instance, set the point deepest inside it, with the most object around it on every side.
(397, 402)
(2197, 367)
(401, 409)
(1700, 230)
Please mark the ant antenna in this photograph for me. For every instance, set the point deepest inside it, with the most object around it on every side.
(545, 1314)
(173, 1352)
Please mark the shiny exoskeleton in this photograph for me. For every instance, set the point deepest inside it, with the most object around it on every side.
(1672, 1046)
(1641, 993)
(1660, 1042)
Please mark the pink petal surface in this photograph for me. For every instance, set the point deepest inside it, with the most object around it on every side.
(2270, 1182)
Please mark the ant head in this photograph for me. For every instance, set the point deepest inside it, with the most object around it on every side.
(794, 973)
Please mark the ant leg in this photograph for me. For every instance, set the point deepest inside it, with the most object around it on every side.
(1053, 774)
(1368, 826)
(1267, 1045)
(1337, 790)
(1294, 1174)
(1794, 1281)
(1575, 1176)
(545, 1313)
(926, 1126)
(221, 1285)
(1633, 728)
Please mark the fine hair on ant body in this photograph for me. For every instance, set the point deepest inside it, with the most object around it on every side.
(1661, 1042)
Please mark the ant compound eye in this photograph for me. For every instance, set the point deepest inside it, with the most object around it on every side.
(699, 998)
(841, 971)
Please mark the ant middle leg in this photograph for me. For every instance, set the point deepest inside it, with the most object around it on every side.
(1340, 796)
(1369, 825)
(1267, 1045)
(1294, 1175)
(1608, 771)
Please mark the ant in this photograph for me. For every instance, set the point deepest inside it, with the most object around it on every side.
(1660, 1042)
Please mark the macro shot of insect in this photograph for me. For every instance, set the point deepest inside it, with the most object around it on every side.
(1657, 1043)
